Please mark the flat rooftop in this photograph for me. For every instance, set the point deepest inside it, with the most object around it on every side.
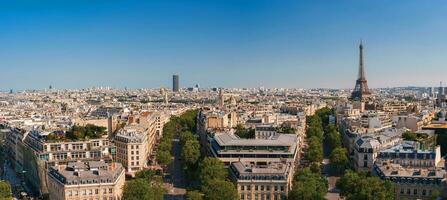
(271, 169)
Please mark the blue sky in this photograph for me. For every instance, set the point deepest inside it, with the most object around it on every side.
(226, 43)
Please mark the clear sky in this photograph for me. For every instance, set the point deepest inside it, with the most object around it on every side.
(226, 43)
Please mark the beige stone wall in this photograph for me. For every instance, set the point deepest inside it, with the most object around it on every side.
(262, 190)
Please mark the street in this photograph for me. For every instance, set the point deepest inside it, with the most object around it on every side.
(177, 185)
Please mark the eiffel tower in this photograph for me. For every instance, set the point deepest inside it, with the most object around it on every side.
(361, 90)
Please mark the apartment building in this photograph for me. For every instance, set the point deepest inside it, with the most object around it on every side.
(132, 148)
(230, 148)
(416, 173)
(86, 180)
(271, 181)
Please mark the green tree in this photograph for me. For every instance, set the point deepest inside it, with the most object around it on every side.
(5, 190)
(409, 135)
(314, 150)
(210, 169)
(163, 158)
(324, 114)
(333, 138)
(315, 131)
(308, 186)
(315, 167)
(220, 190)
(185, 136)
(194, 195)
(339, 158)
(360, 186)
(87, 131)
(190, 153)
(146, 174)
(142, 189)
(165, 145)
(242, 132)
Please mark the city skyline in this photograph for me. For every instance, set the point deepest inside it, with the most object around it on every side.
(287, 44)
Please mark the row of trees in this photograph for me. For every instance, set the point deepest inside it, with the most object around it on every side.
(338, 155)
(175, 126)
(190, 153)
(307, 182)
(319, 131)
(315, 135)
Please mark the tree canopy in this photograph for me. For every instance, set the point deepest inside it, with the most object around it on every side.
(308, 186)
(314, 150)
(333, 137)
(211, 168)
(5, 190)
(220, 190)
(143, 189)
(360, 186)
(190, 153)
(242, 132)
(339, 158)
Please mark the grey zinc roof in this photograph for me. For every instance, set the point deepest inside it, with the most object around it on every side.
(227, 139)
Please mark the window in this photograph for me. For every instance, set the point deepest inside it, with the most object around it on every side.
(365, 163)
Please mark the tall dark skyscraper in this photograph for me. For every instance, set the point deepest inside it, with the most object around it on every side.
(175, 83)
(361, 90)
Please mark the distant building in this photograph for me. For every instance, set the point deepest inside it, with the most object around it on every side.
(441, 99)
(86, 180)
(175, 83)
(265, 131)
